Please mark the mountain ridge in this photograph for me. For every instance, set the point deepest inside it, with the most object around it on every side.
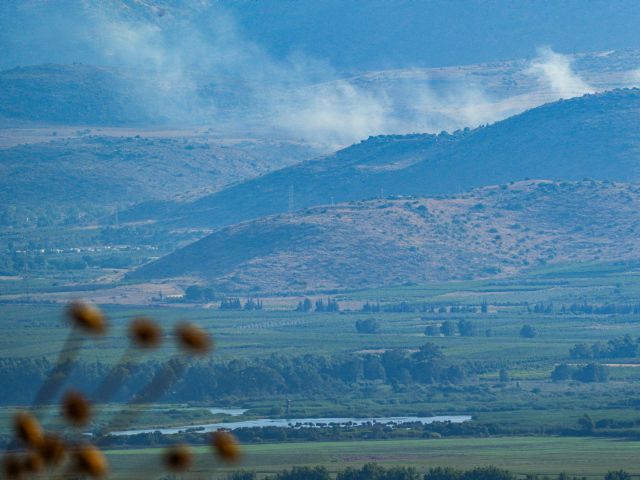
(598, 133)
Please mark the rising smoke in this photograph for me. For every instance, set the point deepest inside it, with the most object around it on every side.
(554, 72)
(194, 65)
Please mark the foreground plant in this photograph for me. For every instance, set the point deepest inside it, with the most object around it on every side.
(36, 452)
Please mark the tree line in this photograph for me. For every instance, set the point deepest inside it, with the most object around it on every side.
(585, 308)
(372, 471)
(406, 307)
(319, 305)
(622, 347)
(467, 328)
(277, 374)
(589, 373)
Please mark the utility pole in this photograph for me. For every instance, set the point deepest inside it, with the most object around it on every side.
(26, 273)
(290, 198)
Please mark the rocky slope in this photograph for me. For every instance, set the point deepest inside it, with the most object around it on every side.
(491, 231)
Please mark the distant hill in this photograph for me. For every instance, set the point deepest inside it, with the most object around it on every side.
(92, 95)
(97, 172)
(491, 231)
(594, 136)
(72, 94)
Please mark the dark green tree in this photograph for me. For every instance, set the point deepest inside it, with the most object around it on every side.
(466, 328)
(304, 473)
(448, 328)
(367, 326)
(432, 331)
(617, 475)
(528, 331)
(586, 423)
(561, 373)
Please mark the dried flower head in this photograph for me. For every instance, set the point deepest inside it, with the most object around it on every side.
(52, 450)
(193, 339)
(225, 445)
(178, 458)
(33, 463)
(87, 317)
(90, 461)
(145, 332)
(28, 429)
(12, 466)
(76, 408)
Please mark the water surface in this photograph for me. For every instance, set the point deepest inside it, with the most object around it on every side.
(296, 422)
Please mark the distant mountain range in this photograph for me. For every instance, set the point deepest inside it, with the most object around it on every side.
(491, 231)
(349, 34)
(92, 95)
(595, 136)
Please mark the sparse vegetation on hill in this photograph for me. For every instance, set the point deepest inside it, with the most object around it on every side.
(73, 94)
(492, 231)
(88, 175)
(594, 136)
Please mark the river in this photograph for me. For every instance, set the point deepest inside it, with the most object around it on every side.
(296, 422)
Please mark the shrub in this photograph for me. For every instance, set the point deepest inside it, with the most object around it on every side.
(527, 331)
(367, 326)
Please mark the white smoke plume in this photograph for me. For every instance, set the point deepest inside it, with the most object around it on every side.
(633, 78)
(194, 65)
(554, 71)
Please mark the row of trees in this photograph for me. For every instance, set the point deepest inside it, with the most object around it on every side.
(585, 308)
(198, 294)
(622, 347)
(208, 380)
(300, 432)
(589, 373)
(371, 471)
(306, 305)
(467, 328)
(448, 328)
(236, 304)
(406, 307)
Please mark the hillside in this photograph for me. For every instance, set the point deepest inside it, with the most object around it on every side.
(86, 94)
(594, 136)
(73, 94)
(88, 172)
(497, 230)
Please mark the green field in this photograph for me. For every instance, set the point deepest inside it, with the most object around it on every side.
(527, 402)
(590, 457)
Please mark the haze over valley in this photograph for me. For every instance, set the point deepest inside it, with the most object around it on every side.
(318, 240)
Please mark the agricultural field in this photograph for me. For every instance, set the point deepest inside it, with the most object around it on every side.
(507, 390)
(588, 457)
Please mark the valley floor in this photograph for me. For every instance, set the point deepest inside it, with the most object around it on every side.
(589, 457)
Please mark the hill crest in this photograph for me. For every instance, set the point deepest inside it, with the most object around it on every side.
(593, 136)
